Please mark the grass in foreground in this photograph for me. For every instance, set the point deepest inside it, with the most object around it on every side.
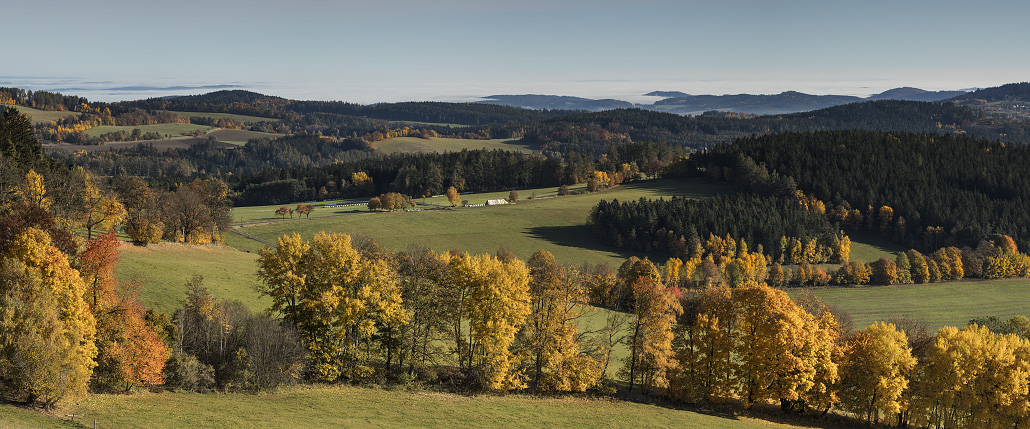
(342, 406)
(441, 145)
(557, 225)
(165, 268)
(937, 304)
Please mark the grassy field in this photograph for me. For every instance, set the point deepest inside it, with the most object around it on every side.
(441, 145)
(42, 116)
(415, 124)
(342, 406)
(239, 137)
(251, 214)
(868, 248)
(164, 270)
(175, 130)
(231, 116)
(554, 224)
(937, 304)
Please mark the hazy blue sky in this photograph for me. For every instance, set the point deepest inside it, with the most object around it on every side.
(391, 50)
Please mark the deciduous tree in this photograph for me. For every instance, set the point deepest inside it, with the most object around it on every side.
(876, 373)
(47, 332)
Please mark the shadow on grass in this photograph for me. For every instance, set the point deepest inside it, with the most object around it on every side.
(580, 237)
(694, 187)
(732, 410)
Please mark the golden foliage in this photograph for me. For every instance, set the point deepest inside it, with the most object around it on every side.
(47, 332)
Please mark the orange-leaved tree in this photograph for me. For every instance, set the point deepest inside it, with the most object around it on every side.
(130, 351)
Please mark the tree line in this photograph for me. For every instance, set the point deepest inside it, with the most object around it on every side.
(494, 322)
(786, 231)
(925, 191)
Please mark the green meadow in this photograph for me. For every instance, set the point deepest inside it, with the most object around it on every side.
(441, 145)
(936, 304)
(174, 130)
(163, 269)
(555, 224)
(230, 116)
(43, 116)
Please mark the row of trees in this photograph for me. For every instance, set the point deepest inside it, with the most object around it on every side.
(301, 210)
(498, 323)
(491, 322)
(756, 345)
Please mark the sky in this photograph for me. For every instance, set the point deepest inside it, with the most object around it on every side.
(457, 50)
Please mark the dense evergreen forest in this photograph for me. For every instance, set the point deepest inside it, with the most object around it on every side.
(778, 226)
(923, 190)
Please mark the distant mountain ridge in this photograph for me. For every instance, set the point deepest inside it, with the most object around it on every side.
(1009, 92)
(556, 102)
(667, 94)
(762, 104)
(685, 104)
(908, 93)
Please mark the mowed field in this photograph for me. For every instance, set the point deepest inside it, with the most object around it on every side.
(936, 304)
(557, 224)
(230, 116)
(441, 145)
(357, 407)
(42, 116)
(173, 130)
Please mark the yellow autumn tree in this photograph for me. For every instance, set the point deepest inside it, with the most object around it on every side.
(452, 196)
(556, 360)
(282, 269)
(972, 378)
(779, 346)
(876, 373)
(32, 191)
(496, 307)
(704, 347)
(47, 333)
(339, 300)
(672, 270)
(95, 208)
(650, 337)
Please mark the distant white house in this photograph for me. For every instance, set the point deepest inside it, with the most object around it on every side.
(496, 202)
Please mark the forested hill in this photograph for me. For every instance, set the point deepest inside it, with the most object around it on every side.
(764, 104)
(923, 190)
(252, 103)
(551, 102)
(1013, 91)
(594, 132)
